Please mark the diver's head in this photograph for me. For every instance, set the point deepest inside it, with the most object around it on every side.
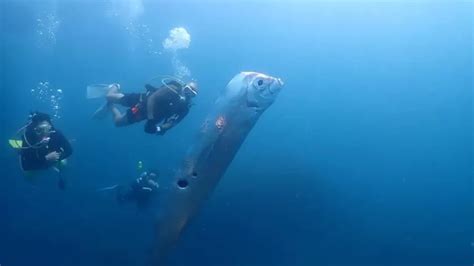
(43, 129)
(191, 89)
(40, 124)
(38, 117)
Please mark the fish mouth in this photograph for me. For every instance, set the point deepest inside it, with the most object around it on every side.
(276, 86)
(280, 82)
(255, 106)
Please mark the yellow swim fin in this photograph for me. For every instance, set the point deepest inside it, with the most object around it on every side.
(15, 144)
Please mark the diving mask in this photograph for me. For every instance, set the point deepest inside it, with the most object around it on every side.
(192, 88)
(43, 129)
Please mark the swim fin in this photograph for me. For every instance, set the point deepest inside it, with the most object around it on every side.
(97, 90)
(107, 188)
(61, 183)
(102, 112)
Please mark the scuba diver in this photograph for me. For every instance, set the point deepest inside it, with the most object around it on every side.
(140, 191)
(42, 146)
(162, 108)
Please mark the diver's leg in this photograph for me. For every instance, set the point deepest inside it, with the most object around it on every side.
(61, 178)
(120, 119)
(114, 95)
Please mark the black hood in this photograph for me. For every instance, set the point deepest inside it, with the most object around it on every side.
(38, 117)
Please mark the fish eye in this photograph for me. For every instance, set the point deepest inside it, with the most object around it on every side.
(260, 82)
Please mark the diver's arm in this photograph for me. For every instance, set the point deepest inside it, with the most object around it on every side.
(150, 88)
(65, 146)
(152, 127)
(165, 126)
(172, 121)
(152, 101)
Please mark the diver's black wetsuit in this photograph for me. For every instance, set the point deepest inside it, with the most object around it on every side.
(140, 191)
(157, 105)
(33, 158)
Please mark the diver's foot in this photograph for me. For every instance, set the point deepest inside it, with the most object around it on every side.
(114, 88)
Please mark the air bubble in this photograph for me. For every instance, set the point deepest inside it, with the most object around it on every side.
(46, 29)
(49, 96)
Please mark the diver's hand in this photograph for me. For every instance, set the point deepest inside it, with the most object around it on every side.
(159, 131)
(153, 184)
(52, 156)
(172, 118)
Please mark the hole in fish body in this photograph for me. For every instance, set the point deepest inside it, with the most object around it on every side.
(182, 183)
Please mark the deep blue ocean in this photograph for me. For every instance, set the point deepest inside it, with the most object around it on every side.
(365, 158)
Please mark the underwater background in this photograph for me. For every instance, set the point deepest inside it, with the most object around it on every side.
(365, 158)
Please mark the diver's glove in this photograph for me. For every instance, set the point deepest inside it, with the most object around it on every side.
(152, 128)
(159, 131)
(52, 156)
(167, 124)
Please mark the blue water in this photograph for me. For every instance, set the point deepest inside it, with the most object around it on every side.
(364, 159)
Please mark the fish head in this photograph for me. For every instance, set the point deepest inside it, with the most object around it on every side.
(262, 90)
